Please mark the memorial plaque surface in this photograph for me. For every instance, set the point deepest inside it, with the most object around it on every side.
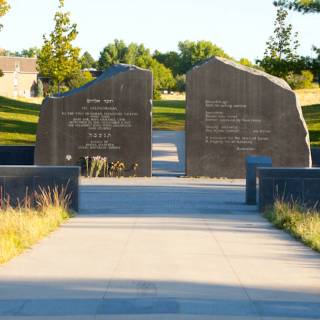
(234, 111)
(109, 117)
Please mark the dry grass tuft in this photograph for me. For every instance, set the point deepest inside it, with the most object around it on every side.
(301, 223)
(23, 226)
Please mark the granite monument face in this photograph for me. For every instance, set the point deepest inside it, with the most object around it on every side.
(109, 117)
(233, 112)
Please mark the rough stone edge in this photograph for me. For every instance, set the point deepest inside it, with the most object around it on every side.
(278, 81)
(107, 74)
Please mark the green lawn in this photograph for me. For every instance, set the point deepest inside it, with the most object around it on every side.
(169, 114)
(18, 119)
(312, 116)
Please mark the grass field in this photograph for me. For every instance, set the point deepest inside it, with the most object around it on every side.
(169, 114)
(18, 119)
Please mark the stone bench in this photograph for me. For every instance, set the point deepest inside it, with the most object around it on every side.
(17, 181)
(252, 163)
(298, 185)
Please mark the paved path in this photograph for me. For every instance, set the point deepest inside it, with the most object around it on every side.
(170, 248)
(168, 153)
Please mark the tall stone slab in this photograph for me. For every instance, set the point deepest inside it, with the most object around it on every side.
(233, 112)
(109, 117)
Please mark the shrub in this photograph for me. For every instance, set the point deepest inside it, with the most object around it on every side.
(181, 83)
(300, 81)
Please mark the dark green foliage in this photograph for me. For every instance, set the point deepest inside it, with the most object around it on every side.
(87, 61)
(305, 6)
(169, 59)
(39, 88)
(119, 52)
(79, 79)
(1, 73)
(193, 53)
(180, 83)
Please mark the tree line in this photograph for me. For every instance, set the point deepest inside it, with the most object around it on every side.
(61, 62)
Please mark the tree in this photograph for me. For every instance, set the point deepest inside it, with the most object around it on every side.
(119, 52)
(58, 59)
(193, 53)
(87, 61)
(305, 6)
(4, 8)
(280, 57)
(170, 59)
(32, 52)
(79, 79)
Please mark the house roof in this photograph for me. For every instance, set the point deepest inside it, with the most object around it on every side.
(26, 65)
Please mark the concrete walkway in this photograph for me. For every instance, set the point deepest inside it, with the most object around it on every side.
(163, 248)
(168, 153)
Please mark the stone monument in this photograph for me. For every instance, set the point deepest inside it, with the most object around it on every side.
(235, 111)
(109, 117)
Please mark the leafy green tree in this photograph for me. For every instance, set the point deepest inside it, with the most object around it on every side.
(193, 53)
(112, 54)
(305, 6)
(4, 8)
(32, 52)
(280, 57)
(79, 79)
(170, 59)
(180, 83)
(119, 52)
(87, 61)
(58, 59)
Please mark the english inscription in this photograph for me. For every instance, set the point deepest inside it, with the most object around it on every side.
(234, 111)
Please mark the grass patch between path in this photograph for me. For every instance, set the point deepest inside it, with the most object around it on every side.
(169, 115)
(22, 227)
(300, 223)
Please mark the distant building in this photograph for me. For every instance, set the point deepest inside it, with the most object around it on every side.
(19, 76)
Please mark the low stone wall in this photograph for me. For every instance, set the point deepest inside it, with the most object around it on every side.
(315, 154)
(300, 185)
(16, 155)
(17, 181)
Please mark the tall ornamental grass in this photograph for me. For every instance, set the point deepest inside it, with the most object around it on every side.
(35, 217)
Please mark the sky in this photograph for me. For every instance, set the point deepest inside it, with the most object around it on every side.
(240, 27)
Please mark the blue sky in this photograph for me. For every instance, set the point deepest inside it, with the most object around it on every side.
(240, 27)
